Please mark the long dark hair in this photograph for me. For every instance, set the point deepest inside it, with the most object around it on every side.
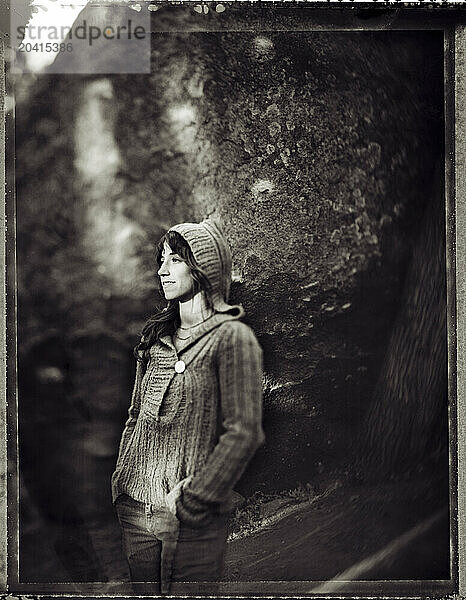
(166, 321)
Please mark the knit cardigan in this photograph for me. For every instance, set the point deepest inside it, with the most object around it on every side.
(200, 426)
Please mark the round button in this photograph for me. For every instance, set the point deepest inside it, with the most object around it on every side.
(180, 366)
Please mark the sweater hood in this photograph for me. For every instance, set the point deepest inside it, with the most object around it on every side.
(212, 253)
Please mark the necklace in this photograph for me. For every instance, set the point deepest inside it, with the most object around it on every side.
(182, 338)
(193, 326)
(189, 328)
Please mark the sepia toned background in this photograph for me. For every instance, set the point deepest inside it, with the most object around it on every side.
(321, 153)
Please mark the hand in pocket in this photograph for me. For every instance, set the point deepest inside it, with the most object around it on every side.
(174, 494)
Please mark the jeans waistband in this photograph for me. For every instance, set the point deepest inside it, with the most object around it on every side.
(148, 508)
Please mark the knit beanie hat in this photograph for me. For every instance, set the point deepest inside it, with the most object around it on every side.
(213, 255)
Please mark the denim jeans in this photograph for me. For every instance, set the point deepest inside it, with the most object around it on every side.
(199, 552)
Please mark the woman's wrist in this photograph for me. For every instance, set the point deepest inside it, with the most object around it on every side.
(192, 512)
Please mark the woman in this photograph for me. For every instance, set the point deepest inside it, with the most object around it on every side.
(195, 415)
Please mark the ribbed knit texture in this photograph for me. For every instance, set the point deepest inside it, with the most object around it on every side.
(204, 423)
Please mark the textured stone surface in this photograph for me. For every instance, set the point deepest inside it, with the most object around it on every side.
(314, 149)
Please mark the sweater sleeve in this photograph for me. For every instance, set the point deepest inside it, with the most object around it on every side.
(133, 411)
(240, 385)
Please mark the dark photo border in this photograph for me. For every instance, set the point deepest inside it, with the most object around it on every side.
(336, 16)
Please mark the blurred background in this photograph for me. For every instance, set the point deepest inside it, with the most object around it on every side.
(321, 153)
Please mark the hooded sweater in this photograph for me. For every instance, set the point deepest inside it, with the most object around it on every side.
(195, 427)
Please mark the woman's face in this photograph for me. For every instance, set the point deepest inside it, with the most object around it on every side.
(175, 275)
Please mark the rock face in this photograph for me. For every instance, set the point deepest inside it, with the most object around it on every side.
(314, 149)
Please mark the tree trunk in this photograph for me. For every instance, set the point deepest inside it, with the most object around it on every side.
(407, 417)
